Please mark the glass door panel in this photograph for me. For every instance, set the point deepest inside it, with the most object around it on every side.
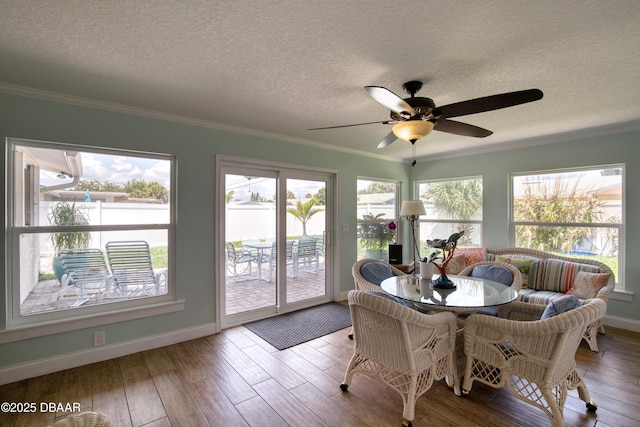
(306, 225)
(250, 237)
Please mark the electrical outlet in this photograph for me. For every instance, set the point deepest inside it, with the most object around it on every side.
(98, 338)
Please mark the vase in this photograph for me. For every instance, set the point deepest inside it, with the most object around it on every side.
(443, 282)
(426, 270)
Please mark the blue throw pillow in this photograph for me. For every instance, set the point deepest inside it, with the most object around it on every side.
(494, 273)
(376, 272)
(392, 298)
(561, 305)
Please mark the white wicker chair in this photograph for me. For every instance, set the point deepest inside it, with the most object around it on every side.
(85, 419)
(515, 284)
(407, 350)
(517, 276)
(363, 284)
(534, 359)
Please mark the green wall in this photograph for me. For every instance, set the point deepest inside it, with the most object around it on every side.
(495, 167)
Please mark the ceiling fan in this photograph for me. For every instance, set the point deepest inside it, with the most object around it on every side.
(415, 117)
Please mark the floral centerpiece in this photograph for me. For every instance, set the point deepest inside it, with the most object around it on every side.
(448, 247)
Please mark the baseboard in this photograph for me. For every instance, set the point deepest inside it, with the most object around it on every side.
(99, 354)
(342, 296)
(621, 323)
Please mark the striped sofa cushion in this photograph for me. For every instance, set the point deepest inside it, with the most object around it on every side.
(558, 275)
(531, 273)
(538, 297)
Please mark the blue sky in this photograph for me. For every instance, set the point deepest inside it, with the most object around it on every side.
(266, 187)
(117, 170)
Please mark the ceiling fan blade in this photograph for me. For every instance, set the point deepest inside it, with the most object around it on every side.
(459, 128)
(390, 100)
(384, 122)
(387, 140)
(489, 103)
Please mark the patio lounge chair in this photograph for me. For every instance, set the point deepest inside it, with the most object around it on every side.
(132, 270)
(85, 276)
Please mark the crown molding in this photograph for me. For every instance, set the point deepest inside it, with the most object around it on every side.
(175, 118)
(610, 129)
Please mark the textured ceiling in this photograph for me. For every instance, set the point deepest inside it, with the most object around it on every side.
(280, 67)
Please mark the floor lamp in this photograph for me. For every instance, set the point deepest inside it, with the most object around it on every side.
(412, 209)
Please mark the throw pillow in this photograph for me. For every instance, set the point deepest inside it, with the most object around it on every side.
(393, 298)
(456, 264)
(494, 273)
(560, 274)
(471, 255)
(561, 305)
(586, 285)
(375, 272)
(524, 265)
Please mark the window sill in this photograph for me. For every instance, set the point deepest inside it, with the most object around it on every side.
(621, 295)
(20, 333)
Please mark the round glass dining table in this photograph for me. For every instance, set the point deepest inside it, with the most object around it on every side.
(470, 293)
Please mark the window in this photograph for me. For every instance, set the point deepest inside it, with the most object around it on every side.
(452, 206)
(377, 207)
(574, 212)
(67, 205)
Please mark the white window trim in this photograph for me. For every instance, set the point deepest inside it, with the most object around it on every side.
(620, 291)
(396, 207)
(18, 327)
(480, 222)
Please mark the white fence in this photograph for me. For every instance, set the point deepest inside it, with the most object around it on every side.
(250, 222)
(101, 213)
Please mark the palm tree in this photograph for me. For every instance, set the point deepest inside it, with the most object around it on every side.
(303, 212)
(457, 200)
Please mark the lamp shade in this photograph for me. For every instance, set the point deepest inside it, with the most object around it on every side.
(412, 208)
(412, 130)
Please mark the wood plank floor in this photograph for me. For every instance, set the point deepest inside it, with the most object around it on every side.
(235, 378)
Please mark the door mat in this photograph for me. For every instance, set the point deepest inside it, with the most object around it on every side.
(286, 330)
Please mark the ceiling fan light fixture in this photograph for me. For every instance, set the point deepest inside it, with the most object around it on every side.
(412, 130)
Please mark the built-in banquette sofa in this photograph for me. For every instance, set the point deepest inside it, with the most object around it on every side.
(546, 277)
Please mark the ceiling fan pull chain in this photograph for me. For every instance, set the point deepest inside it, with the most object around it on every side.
(413, 153)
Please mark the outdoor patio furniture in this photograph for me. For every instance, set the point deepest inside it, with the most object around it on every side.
(239, 261)
(403, 348)
(85, 276)
(534, 359)
(270, 258)
(132, 270)
(307, 255)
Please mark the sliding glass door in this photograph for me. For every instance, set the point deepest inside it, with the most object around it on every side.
(275, 253)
